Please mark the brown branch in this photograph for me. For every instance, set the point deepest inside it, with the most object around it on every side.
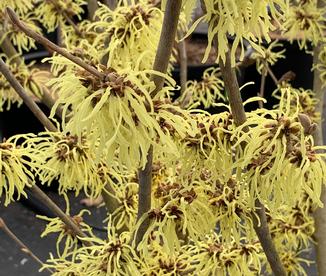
(144, 195)
(10, 51)
(239, 115)
(92, 6)
(320, 213)
(67, 220)
(163, 54)
(183, 64)
(48, 44)
(112, 4)
(233, 91)
(262, 87)
(270, 72)
(72, 24)
(167, 38)
(22, 246)
(27, 100)
(265, 238)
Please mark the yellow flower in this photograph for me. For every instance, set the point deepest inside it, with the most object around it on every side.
(162, 263)
(217, 258)
(118, 114)
(187, 206)
(124, 216)
(113, 256)
(20, 6)
(229, 205)
(32, 79)
(245, 20)
(133, 33)
(269, 56)
(293, 225)
(69, 159)
(65, 235)
(302, 99)
(209, 148)
(18, 38)
(17, 169)
(305, 23)
(279, 156)
(50, 13)
(206, 91)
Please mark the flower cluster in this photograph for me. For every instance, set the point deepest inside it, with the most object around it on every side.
(9, 31)
(269, 56)
(68, 159)
(133, 32)
(280, 138)
(304, 101)
(32, 79)
(66, 236)
(16, 167)
(118, 114)
(52, 13)
(113, 256)
(245, 20)
(206, 91)
(208, 172)
(305, 22)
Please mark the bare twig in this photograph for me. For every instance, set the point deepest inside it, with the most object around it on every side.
(22, 246)
(270, 72)
(183, 64)
(112, 4)
(239, 115)
(265, 238)
(233, 91)
(167, 38)
(72, 24)
(92, 6)
(47, 43)
(144, 194)
(163, 54)
(27, 100)
(262, 87)
(68, 221)
(320, 213)
(10, 51)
